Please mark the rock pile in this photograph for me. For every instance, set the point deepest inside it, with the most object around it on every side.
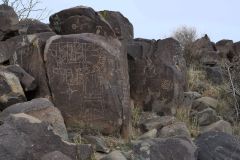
(68, 87)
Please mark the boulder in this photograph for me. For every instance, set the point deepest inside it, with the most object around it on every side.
(97, 143)
(214, 74)
(27, 81)
(189, 97)
(173, 130)
(31, 26)
(218, 145)
(25, 137)
(8, 18)
(203, 51)
(120, 24)
(115, 155)
(11, 91)
(157, 73)
(219, 126)
(78, 20)
(148, 135)
(226, 49)
(41, 109)
(56, 155)
(156, 123)
(27, 51)
(92, 73)
(6, 51)
(237, 48)
(204, 103)
(207, 117)
(164, 149)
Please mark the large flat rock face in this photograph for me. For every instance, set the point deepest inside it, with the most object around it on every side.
(89, 81)
(157, 74)
(27, 52)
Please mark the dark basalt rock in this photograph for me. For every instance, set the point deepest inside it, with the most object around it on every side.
(120, 24)
(226, 49)
(8, 18)
(80, 20)
(25, 137)
(42, 109)
(218, 145)
(157, 74)
(31, 26)
(88, 78)
(27, 51)
(165, 149)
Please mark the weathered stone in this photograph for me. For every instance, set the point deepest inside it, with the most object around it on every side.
(115, 155)
(11, 91)
(156, 123)
(237, 48)
(27, 81)
(85, 152)
(173, 130)
(207, 117)
(80, 20)
(215, 74)
(8, 18)
(148, 135)
(25, 137)
(92, 73)
(97, 143)
(226, 49)
(28, 52)
(203, 51)
(120, 24)
(56, 155)
(209, 58)
(31, 26)
(41, 109)
(164, 149)
(204, 103)
(157, 74)
(189, 97)
(218, 145)
(220, 126)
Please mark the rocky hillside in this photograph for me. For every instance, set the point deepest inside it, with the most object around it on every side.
(82, 88)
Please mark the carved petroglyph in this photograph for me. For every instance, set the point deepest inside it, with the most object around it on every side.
(166, 84)
(79, 66)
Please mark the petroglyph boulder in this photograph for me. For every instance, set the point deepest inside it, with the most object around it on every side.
(88, 78)
(80, 19)
(27, 52)
(157, 74)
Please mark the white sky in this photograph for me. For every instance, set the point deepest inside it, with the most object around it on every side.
(156, 19)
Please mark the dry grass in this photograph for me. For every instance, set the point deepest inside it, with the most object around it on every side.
(183, 115)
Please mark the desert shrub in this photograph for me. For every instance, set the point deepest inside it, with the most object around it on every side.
(186, 36)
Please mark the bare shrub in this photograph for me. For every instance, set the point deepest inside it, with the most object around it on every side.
(186, 36)
(26, 8)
